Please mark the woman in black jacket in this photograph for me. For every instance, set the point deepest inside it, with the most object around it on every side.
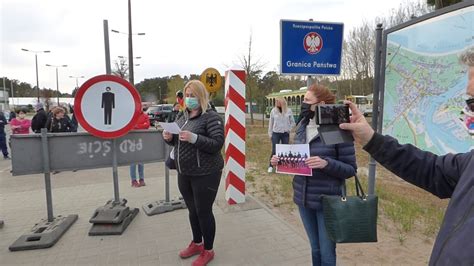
(197, 152)
(59, 122)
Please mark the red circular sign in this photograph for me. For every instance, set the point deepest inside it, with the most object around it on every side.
(312, 43)
(107, 106)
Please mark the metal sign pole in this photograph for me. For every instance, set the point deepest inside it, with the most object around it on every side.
(167, 178)
(375, 107)
(47, 174)
(166, 205)
(108, 69)
(115, 171)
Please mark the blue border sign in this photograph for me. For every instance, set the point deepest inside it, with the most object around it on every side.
(310, 48)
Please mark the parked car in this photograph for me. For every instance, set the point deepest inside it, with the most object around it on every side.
(159, 113)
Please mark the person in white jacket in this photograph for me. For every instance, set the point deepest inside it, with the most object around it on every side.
(280, 125)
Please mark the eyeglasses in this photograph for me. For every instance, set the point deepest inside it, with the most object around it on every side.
(470, 104)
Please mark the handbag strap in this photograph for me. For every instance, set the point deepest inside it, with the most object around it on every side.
(360, 192)
(343, 185)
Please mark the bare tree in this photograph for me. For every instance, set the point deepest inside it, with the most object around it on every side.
(359, 48)
(357, 63)
(404, 13)
(253, 70)
(442, 3)
(121, 68)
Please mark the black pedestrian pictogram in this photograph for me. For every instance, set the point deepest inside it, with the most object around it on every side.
(108, 103)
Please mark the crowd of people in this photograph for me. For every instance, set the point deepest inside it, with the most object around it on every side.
(289, 159)
(56, 120)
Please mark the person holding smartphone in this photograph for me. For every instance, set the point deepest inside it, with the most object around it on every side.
(445, 176)
(331, 165)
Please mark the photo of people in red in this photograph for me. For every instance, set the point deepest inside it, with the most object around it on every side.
(292, 159)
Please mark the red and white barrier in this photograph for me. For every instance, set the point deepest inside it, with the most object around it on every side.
(235, 136)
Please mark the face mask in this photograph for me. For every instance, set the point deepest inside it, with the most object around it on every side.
(192, 103)
(306, 111)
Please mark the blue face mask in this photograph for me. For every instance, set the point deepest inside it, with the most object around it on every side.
(192, 103)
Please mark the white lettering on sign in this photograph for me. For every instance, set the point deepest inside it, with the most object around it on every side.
(131, 145)
(97, 148)
(309, 64)
(312, 27)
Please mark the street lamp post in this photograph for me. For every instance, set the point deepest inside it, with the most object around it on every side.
(36, 62)
(57, 79)
(159, 90)
(77, 77)
(123, 57)
(130, 43)
(11, 88)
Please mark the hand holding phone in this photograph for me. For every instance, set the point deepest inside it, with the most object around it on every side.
(332, 114)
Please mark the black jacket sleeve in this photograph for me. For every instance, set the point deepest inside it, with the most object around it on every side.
(35, 123)
(213, 141)
(436, 174)
(49, 125)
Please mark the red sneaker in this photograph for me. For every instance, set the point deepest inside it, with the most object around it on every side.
(135, 183)
(191, 250)
(203, 259)
(142, 183)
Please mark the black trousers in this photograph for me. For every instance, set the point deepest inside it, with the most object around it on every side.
(199, 193)
(108, 115)
(3, 144)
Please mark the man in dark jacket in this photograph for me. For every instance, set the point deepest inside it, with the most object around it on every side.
(3, 137)
(12, 115)
(447, 176)
(39, 120)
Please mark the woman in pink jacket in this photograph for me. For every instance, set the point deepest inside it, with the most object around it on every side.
(20, 125)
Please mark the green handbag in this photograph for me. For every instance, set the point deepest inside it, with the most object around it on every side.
(351, 219)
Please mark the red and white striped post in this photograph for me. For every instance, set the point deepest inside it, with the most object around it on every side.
(235, 136)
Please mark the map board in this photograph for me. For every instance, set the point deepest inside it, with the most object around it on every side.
(425, 84)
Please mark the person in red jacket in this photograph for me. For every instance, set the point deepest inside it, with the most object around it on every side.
(143, 122)
(19, 124)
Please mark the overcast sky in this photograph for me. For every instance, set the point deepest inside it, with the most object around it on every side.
(182, 37)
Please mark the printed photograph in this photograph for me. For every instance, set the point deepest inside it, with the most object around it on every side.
(292, 159)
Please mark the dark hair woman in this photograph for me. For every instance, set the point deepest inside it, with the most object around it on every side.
(331, 165)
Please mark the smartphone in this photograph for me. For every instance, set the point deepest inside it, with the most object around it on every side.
(332, 114)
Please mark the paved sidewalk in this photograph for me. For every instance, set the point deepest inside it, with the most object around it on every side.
(247, 234)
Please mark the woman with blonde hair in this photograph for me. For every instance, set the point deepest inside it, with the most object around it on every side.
(197, 154)
(280, 125)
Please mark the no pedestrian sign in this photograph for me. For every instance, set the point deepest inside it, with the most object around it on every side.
(310, 48)
(107, 106)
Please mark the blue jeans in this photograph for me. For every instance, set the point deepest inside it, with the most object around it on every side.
(323, 249)
(141, 171)
(279, 138)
